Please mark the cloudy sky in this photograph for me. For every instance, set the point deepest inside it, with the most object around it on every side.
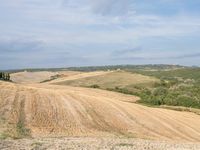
(62, 33)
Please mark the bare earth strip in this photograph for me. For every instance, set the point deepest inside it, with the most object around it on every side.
(91, 143)
(56, 111)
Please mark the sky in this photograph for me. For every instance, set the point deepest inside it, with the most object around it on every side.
(64, 33)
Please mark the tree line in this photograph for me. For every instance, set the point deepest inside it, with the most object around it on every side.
(4, 76)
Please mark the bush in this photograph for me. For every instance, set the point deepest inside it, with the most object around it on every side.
(160, 91)
(187, 101)
(95, 86)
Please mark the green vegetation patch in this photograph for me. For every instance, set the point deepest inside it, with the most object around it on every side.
(177, 88)
(4, 76)
(3, 136)
(156, 85)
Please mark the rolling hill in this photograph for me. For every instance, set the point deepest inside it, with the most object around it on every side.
(109, 79)
(43, 110)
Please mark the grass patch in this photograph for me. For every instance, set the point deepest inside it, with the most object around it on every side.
(22, 131)
(3, 136)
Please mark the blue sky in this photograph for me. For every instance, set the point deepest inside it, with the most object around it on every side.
(62, 33)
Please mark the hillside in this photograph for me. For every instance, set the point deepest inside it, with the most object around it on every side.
(31, 77)
(40, 110)
(77, 75)
(177, 88)
(111, 79)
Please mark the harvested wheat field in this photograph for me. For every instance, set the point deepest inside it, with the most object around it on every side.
(41, 110)
(65, 117)
(31, 77)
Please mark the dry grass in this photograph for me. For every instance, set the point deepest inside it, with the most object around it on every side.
(111, 80)
(78, 75)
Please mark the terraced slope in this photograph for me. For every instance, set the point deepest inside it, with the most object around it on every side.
(50, 110)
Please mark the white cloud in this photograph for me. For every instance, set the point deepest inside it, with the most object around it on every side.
(83, 23)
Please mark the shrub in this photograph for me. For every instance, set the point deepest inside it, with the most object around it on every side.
(95, 86)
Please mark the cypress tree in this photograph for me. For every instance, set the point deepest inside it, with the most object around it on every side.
(0, 75)
(3, 76)
(8, 77)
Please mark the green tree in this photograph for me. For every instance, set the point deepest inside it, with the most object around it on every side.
(159, 95)
(8, 77)
(3, 76)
